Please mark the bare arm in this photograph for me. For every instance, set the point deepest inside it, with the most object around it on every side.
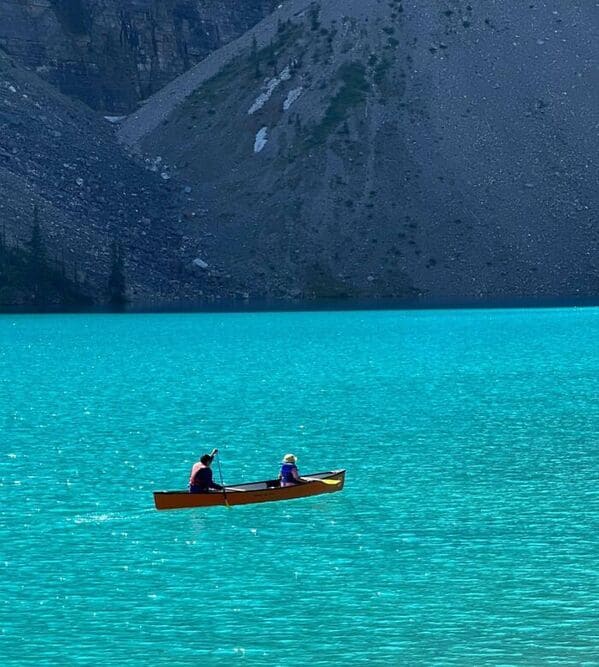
(194, 469)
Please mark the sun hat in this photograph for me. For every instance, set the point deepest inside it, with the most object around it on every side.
(289, 458)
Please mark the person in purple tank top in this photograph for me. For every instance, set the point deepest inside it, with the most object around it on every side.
(289, 473)
(200, 480)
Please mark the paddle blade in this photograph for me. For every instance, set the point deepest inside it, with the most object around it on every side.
(330, 482)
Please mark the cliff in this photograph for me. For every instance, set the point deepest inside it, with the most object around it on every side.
(113, 53)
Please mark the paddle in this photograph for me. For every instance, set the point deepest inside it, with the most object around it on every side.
(222, 483)
(330, 482)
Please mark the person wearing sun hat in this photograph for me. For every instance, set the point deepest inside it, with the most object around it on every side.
(289, 472)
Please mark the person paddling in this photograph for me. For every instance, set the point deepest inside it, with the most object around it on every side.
(289, 473)
(200, 480)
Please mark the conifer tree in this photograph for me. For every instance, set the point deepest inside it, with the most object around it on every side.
(37, 265)
(37, 250)
(3, 253)
(255, 58)
(116, 280)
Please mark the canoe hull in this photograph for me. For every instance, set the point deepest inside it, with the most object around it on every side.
(246, 494)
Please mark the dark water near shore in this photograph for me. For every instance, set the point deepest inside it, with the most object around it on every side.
(259, 305)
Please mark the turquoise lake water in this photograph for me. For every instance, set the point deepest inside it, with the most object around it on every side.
(467, 533)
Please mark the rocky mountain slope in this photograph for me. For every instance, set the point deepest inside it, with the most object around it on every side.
(110, 53)
(62, 161)
(370, 147)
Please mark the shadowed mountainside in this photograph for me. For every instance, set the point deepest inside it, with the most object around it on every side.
(337, 149)
(59, 158)
(368, 148)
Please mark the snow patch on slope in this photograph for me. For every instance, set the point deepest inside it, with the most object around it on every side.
(261, 139)
(271, 86)
(292, 96)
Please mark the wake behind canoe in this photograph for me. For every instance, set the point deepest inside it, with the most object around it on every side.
(254, 492)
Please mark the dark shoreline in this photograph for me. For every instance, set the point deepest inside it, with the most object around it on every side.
(313, 305)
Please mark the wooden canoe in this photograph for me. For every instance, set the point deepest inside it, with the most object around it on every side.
(254, 492)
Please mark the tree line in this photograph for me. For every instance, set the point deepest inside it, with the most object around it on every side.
(29, 275)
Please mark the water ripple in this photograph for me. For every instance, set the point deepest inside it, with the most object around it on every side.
(467, 533)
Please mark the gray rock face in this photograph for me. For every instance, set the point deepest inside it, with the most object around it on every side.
(113, 53)
(445, 149)
(61, 158)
